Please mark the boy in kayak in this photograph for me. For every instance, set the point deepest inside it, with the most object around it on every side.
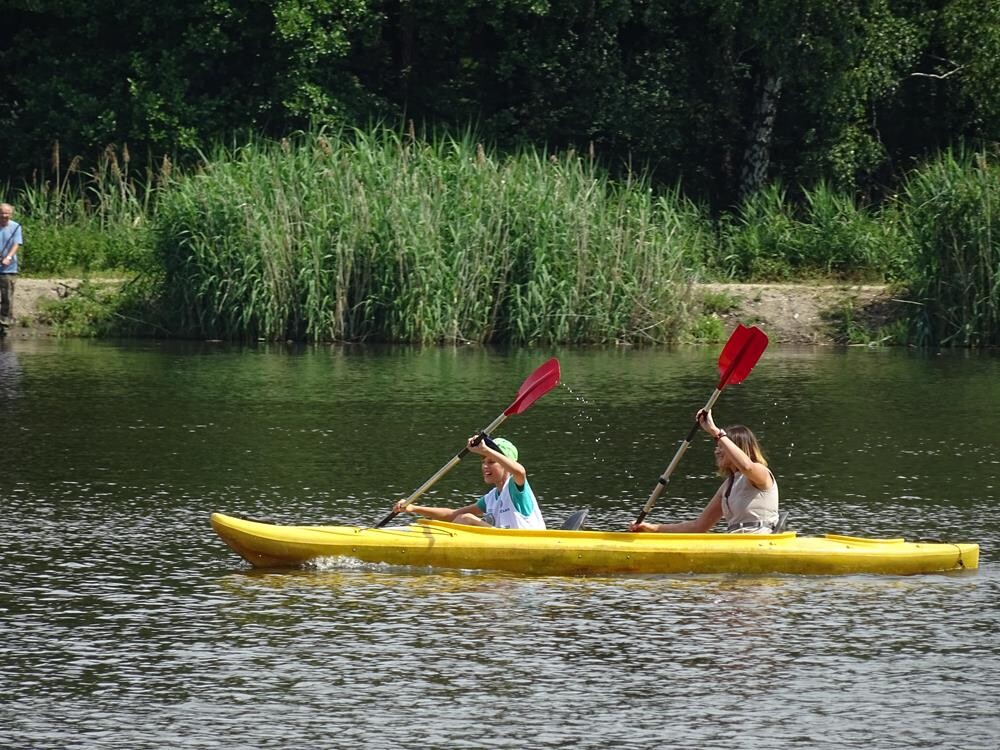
(747, 500)
(511, 503)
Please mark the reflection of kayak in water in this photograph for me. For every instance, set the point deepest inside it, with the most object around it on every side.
(559, 552)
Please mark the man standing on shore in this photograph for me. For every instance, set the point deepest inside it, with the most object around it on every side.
(10, 241)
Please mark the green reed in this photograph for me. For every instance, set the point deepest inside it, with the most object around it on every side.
(950, 210)
(843, 239)
(378, 235)
(821, 234)
(756, 240)
(88, 218)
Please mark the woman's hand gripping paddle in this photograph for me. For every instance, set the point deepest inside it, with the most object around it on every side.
(738, 357)
(536, 385)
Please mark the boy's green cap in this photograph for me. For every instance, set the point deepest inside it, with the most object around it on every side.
(503, 445)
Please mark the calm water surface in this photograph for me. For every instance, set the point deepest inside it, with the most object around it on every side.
(128, 624)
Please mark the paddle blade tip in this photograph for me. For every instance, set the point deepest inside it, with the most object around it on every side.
(536, 385)
(744, 348)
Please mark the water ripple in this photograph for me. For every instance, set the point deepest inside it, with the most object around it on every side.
(128, 624)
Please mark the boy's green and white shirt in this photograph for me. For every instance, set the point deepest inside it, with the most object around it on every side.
(512, 507)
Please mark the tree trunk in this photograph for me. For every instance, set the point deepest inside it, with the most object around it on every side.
(757, 157)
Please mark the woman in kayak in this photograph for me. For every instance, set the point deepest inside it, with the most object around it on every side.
(747, 500)
(510, 504)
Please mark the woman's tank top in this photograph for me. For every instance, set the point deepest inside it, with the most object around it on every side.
(744, 503)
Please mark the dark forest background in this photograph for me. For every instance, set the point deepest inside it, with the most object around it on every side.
(718, 96)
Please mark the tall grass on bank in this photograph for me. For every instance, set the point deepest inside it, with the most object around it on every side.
(824, 234)
(88, 220)
(382, 236)
(951, 211)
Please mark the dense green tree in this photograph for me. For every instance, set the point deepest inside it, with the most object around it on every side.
(723, 96)
(949, 95)
(169, 76)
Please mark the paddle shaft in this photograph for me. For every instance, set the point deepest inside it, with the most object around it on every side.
(665, 477)
(441, 472)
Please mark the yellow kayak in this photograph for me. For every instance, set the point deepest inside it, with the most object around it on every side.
(557, 552)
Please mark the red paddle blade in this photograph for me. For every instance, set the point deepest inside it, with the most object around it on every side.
(536, 385)
(740, 354)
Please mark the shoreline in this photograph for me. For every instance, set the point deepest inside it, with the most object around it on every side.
(790, 313)
(797, 313)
